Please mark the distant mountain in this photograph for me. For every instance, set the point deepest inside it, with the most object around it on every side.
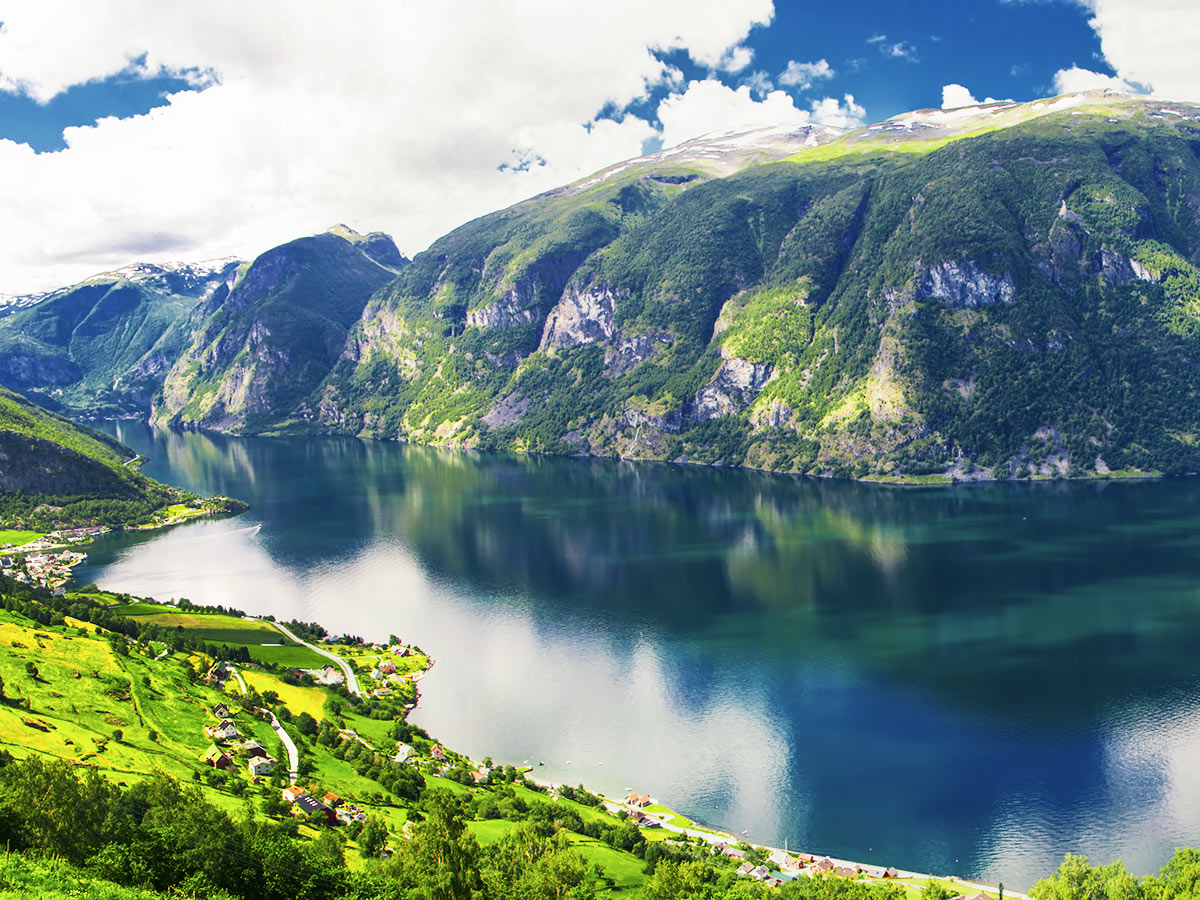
(103, 346)
(1006, 290)
(266, 344)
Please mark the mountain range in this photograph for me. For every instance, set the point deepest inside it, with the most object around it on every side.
(1008, 290)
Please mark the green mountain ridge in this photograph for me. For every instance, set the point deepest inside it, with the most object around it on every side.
(268, 343)
(988, 293)
(1003, 291)
(103, 345)
(54, 472)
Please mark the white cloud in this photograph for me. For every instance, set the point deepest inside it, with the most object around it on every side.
(901, 50)
(736, 59)
(708, 106)
(955, 96)
(1068, 81)
(1150, 44)
(895, 50)
(801, 75)
(839, 114)
(759, 83)
(392, 116)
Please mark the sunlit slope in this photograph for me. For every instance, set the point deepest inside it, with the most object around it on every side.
(1002, 291)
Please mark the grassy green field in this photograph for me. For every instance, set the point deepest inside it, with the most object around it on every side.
(17, 537)
(84, 691)
(22, 877)
(258, 637)
(78, 693)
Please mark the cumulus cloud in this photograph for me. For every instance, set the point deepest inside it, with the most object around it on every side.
(840, 114)
(708, 106)
(955, 96)
(801, 75)
(410, 118)
(1150, 44)
(1068, 81)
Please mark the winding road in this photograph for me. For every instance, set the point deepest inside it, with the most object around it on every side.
(351, 678)
(293, 755)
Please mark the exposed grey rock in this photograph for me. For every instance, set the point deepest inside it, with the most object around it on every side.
(732, 388)
(773, 415)
(582, 316)
(1120, 269)
(508, 411)
(630, 352)
(962, 283)
(504, 313)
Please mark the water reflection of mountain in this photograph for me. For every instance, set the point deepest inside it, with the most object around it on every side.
(1042, 602)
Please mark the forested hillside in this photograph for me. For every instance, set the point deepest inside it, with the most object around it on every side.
(1006, 292)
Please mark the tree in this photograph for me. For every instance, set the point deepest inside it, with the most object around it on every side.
(373, 837)
(444, 855)
(1078, 879)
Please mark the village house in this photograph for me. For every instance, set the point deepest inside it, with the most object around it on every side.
(217, 758)
(399, 650)
(252, 748)
(638, 800)
(745, 868)
(228, 730)
(402, 751)
(221, 711)
(824, 865)
(760, 872)
(332, 800)
(259, 765)
(293, 793)
(732, 852)
(437, 752)
(311, 806)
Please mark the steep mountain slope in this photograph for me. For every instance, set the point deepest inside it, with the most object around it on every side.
(265, 345)
(993, 292)
(103, 346)
(54, 472)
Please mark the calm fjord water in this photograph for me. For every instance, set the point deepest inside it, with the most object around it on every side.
(973, 679)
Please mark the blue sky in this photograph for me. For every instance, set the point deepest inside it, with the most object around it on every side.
(138, 130)
(892, 56)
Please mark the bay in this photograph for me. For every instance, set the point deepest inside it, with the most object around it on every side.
(971, 679)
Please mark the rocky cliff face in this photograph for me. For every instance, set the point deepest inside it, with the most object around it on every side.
(1020, 302)
(936, 313)
(264, 349)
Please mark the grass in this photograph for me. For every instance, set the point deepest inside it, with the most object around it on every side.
(18, 537)
(231, 631)
(297, 698)
(24, 876)
(624, 869)
(488, 831)
(73, 718)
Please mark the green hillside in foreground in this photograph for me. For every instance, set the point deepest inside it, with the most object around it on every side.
(105, 791)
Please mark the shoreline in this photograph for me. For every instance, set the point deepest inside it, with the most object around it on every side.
(870, 872)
